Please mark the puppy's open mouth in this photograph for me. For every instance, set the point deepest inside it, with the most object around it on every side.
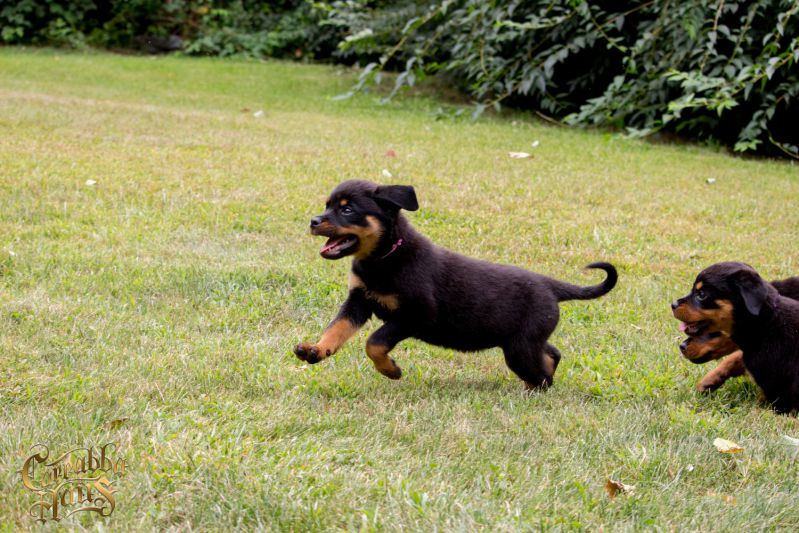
(692, 329)
(338, 246)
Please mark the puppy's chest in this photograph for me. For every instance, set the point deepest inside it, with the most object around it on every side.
(384, 295)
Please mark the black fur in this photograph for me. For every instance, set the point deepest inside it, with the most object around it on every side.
(765, 325)
(423, 291)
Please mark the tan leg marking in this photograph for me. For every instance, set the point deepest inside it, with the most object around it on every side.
(384, 364)
(332, 339)
(548, 363)
(730, 367)
(335, 336)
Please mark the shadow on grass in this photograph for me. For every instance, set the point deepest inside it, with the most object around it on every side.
(454, 383)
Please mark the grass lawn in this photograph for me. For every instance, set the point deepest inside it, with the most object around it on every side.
(172, 290)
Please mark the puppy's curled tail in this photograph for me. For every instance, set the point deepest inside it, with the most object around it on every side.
(567, 291)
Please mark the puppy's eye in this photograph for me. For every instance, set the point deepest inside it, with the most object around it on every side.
(701, 295)
(346, 210)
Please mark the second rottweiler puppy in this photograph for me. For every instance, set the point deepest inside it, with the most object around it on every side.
(731, 298)
(423, 291)
(712, 345)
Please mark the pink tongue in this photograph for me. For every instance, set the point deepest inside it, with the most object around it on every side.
(683, 326)
(332, 244)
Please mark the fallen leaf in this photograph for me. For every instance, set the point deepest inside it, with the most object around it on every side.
(535, 143)
(115, 423)
(90, 182)
(711, 181)
(614, 487)
(519, 155)
(391, 153)
(386, 173)
(790, 440)
(726, 498)
(259, 113)
(727, 446)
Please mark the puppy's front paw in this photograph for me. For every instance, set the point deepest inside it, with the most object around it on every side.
(308, 353)
(708, 384)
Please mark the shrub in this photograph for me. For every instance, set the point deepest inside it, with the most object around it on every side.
(223, 28)
(715, 70)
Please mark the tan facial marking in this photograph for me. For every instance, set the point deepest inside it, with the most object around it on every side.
(384, 364)
(720, 319)
(368, 236)
(343, 202)
(717, 347)
(335, 336)
(324, 227)
(688, 313)
(730, 367)
(698, 286)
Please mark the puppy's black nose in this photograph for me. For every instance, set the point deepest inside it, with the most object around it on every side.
(674, 305)
(315, 221)
(684, 346)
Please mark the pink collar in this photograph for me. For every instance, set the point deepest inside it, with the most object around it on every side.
(393, 249)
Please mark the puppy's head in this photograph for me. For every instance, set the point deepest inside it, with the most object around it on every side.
(707, 347)
(721, 293)
(359, 217)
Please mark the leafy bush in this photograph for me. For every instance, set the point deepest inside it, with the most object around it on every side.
(257, 29)
(719, 70)
(716, 70)
(223, 28)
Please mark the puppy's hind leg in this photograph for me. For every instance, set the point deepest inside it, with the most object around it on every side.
(380, 343)
(553, 354)
(534, 361)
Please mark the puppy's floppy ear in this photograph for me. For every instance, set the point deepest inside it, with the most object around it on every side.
(402, 196)
(752, 289)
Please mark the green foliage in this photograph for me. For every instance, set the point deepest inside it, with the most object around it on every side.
(43, 21)
(221, 27)
(715, 70)
(256, 29)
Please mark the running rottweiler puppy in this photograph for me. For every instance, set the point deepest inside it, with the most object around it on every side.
(709, 346)
(731, 298)
(423, 291)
